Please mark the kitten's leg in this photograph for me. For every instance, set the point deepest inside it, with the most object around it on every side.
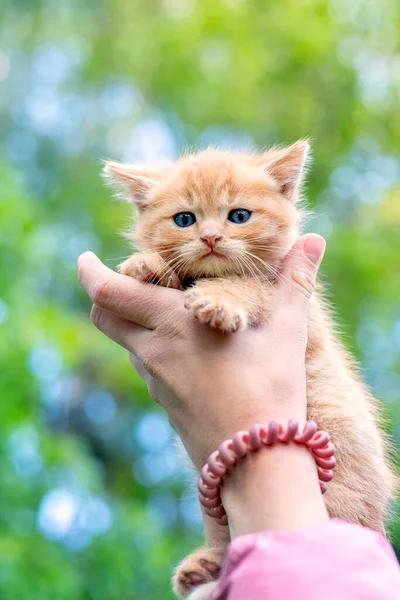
(230, 304)
(196, 575)
(196, 571)
(150, 267)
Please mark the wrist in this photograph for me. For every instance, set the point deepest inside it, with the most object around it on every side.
(274, 488)
(202, 434)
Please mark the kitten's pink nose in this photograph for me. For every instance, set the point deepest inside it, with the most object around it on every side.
(211, 240)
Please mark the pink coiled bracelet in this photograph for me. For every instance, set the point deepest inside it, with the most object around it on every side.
(244, 442)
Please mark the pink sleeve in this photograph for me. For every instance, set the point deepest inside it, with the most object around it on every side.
(331, 561)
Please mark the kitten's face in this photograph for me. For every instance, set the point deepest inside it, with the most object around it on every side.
(215, 214)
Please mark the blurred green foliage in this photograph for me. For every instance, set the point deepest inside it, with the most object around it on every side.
(88, 510)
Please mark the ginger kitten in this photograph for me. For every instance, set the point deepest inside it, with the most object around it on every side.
(218, 225)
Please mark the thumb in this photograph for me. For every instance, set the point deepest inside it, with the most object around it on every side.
(288, 324)
(299, 271)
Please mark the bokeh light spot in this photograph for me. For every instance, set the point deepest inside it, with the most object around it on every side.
(57, 513)
(153, 432)
(45, 362)
(100, 407)
(96, 516)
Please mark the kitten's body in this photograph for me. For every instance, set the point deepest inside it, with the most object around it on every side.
(234, 289)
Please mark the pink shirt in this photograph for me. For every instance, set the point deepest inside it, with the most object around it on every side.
(334, 561)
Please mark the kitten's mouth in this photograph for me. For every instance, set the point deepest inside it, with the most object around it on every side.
(213, 253)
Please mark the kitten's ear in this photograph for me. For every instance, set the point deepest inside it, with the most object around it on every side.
(135, 183)
(286, 166)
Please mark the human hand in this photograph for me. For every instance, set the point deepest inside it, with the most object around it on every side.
(211, 384)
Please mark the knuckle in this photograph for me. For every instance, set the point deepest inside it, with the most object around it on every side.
(303, 282)
(104, 293)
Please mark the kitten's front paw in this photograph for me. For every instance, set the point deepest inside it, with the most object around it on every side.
(201, 567)
(150, 268)
(214, 311)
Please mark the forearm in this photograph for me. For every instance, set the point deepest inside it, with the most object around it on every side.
(274, 488)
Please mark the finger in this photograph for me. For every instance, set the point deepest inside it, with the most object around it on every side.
(299, 271)
(145, 304)
(297, 282)
(130, 336)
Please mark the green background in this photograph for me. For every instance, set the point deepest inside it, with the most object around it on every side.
(94, 502)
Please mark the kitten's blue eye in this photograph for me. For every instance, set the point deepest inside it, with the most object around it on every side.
(185, 219)
(240, 215)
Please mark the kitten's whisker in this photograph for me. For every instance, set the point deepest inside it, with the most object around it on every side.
(178, 263)
(274, 248)
(240, 265)
(272, 270)
(264, 277)
(247, 253)
(107, 260)
(249, 266)
(278, 274)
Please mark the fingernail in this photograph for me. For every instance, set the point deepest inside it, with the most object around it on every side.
(86, 253)
(314, 248)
